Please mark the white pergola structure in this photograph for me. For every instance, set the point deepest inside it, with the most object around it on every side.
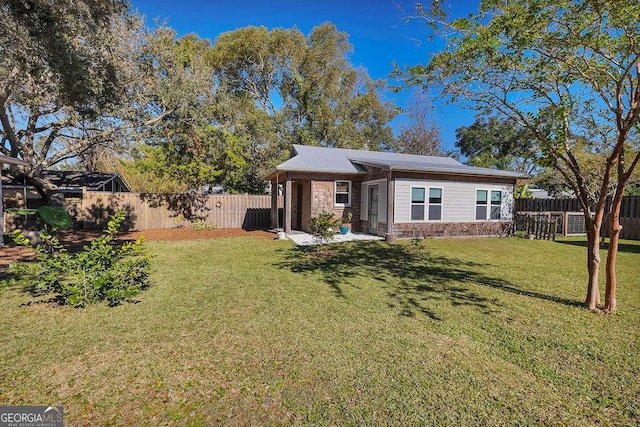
(5, 160)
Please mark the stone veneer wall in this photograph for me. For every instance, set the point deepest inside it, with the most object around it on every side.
(322, 198)
(452, 229)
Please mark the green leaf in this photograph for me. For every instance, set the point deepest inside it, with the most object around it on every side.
(21, 211)
(55, 217)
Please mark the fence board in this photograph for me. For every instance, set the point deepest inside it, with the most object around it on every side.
(630, 206)
(221, 211)
(629, 214)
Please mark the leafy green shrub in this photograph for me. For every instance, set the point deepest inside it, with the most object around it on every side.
(50, 217)
(202, 225)
(102, 271)
(323, 227)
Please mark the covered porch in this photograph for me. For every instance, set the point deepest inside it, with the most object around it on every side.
(306, 195)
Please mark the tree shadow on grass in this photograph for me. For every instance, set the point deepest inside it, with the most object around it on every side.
(415, 279)
(622, 247)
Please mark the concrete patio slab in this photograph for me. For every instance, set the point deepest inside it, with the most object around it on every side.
(305, 239)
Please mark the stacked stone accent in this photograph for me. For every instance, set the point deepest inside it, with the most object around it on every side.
(452, 229)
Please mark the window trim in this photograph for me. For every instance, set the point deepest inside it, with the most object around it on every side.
(348, 193)
(491, 205)
(426, 203)
(488, 205)
(441, 204)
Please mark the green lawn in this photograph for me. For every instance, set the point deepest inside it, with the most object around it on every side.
(255, 332)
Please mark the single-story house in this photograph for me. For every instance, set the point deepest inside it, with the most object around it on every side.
(394, 194)
(5, 160)
(70, 184)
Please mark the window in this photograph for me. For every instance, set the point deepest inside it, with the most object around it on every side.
(496, 204)
(484, 205)
(420, 205)
(417, 204)
(435, 204)
(342, 193)
(481, 205)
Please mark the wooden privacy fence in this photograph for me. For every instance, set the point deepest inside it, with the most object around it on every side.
(630, 207)
(146, 212)
(571, 219)
(537, 226)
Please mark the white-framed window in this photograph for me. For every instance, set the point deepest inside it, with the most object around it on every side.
(426, 203)
(496, 204)
(488, 205)
(342, 193)
(481, 205)
(417, 203)
(435, 204)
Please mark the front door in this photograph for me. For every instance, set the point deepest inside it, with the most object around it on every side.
(373, 209)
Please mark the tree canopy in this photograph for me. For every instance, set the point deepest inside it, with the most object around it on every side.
(61, 80)
(419, 134)
(255, 92)
(492, 142)
(567, 71)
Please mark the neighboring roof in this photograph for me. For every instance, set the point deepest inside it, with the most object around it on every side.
(73, 180)
(12, 161)
(305, 158)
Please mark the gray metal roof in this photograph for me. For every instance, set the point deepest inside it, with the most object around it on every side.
(305, 158)
(71, 181)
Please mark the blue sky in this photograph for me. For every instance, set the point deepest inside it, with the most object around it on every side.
(376, 30)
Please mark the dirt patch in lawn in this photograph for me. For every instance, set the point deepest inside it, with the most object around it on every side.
(76, 239)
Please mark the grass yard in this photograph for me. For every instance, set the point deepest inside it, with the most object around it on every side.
(248, 331)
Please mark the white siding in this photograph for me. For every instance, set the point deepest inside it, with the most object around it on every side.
(458, 199)
(382, 201)
(364, 202)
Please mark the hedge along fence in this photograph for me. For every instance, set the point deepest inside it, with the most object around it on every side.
(146, 211)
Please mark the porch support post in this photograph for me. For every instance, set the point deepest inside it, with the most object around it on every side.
(390, 199)
(287, 205)
(274, 203)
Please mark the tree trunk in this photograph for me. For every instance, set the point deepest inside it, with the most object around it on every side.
(614, 238)
(49, 192)
(593, 263)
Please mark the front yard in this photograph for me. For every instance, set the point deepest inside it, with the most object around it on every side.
(249, 331)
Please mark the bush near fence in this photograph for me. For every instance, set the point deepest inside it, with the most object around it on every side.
(250, 212)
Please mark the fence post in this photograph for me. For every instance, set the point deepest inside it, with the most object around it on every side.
(83, 208)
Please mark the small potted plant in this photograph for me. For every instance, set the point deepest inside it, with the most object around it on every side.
(346, 224)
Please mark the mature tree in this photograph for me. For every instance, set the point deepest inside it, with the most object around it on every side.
(493, 142)
(231, 111)
(420, 133)
(566, 70)
(62, 77)
(295, 89)
(188, 138)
